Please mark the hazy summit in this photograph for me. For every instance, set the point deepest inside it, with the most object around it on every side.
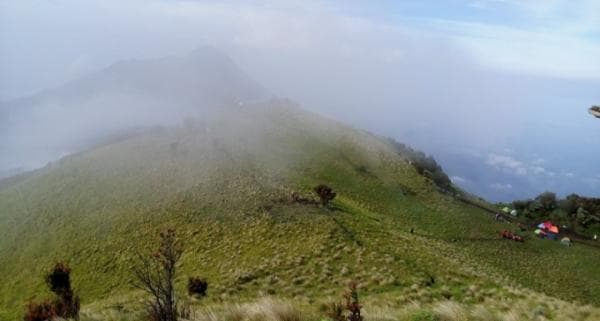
(126, 95)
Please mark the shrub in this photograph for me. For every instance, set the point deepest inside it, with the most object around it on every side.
(197, 286)
(569, 204)
(66, 304)
(325, 193)
(335, 311)
(40, 311)
(59, 279)
(547, 200)
(352, 304)
(59, 282)
(520, 205)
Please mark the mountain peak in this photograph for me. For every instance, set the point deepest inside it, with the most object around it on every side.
(128, 94)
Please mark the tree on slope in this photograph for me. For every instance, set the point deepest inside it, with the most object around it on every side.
(155, 274)
(325, 193)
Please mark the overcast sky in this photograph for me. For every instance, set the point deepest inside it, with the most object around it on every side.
(505, 82)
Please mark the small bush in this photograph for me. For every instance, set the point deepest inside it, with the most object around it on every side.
(40, 311)
(335, 311)
(352, 303)
(325, 193)
(197, 286)
(65, 305)
(58, 279)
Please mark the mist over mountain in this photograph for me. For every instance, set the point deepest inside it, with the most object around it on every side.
(490, 79)
(512, 160)
(126, 96)
(299, 160)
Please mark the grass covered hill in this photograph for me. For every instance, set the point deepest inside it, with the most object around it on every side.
(224, 184)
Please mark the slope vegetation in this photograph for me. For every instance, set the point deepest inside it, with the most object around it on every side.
(224, 184)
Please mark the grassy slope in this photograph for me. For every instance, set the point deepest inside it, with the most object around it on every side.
(225, 188)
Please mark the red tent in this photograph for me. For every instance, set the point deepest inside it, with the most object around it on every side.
(548, 227)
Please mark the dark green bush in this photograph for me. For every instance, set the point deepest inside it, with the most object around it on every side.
(325, 193)
(59, 280)
(66, 304)
(197, 286)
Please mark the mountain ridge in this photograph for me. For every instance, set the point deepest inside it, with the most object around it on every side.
(224, 179)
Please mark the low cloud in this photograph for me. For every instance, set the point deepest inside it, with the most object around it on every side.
(458, 180)
(506, 163)
(538, 170)
(501, 187)
(511, 165)
(437, 80)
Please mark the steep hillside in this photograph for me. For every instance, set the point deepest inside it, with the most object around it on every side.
(224, 183)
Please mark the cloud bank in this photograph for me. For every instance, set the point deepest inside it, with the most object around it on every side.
(478, 75)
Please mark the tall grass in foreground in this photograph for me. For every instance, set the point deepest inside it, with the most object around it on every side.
(265, 309)
(274, 309)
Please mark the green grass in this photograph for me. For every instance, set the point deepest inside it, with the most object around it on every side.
(225, 189)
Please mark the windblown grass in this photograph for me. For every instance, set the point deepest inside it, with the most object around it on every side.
(275, 309)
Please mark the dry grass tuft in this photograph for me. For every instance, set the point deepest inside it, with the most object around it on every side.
(266, 309)
(482, 313)
(450, 311)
